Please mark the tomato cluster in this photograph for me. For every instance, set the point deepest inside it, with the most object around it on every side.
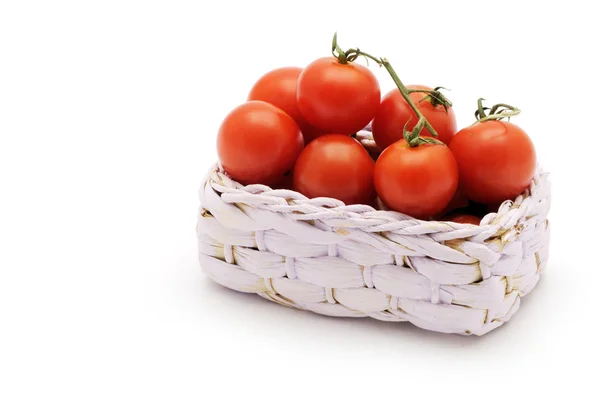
(297, 129)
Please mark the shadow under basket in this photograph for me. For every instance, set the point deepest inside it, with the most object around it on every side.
(355, 261)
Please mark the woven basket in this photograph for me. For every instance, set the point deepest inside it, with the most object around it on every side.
(355, 261)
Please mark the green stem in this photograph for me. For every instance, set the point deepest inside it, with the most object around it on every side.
(341, 55)
(496, 107)
(364, 54)
(434, 96)
(411, 136)
(432, 93)
(406, 96)
(497, 112)
(420, 91)
(480, 107)
(351, 54)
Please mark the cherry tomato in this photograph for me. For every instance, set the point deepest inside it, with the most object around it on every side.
(418, 181)
(464, 219)
(496, 160)
(278, 87)
(258, 143)
(337, 98)
(458, 201)
(335, 166)
(394, 112)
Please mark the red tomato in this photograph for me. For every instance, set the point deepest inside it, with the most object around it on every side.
(458, 201)
(337, 98)
(335, 166)
(394, 112)
(278, 87)
(258, 143)
(464, 219)
(418, 181)
(496, 160)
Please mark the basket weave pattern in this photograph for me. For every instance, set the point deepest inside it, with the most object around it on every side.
(353, 261)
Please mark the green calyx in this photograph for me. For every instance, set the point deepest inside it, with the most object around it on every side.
(337, 51)
(350, 55)
(434, 96)
(496, 112)
(413, 138)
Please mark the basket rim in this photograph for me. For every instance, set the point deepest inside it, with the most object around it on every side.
(300, 207)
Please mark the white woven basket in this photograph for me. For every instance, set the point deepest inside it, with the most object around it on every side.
(354, 261)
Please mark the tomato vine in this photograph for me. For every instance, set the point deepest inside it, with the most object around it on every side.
(496, 112)
(435, 96)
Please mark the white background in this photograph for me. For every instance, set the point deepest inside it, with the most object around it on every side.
(108, 116)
